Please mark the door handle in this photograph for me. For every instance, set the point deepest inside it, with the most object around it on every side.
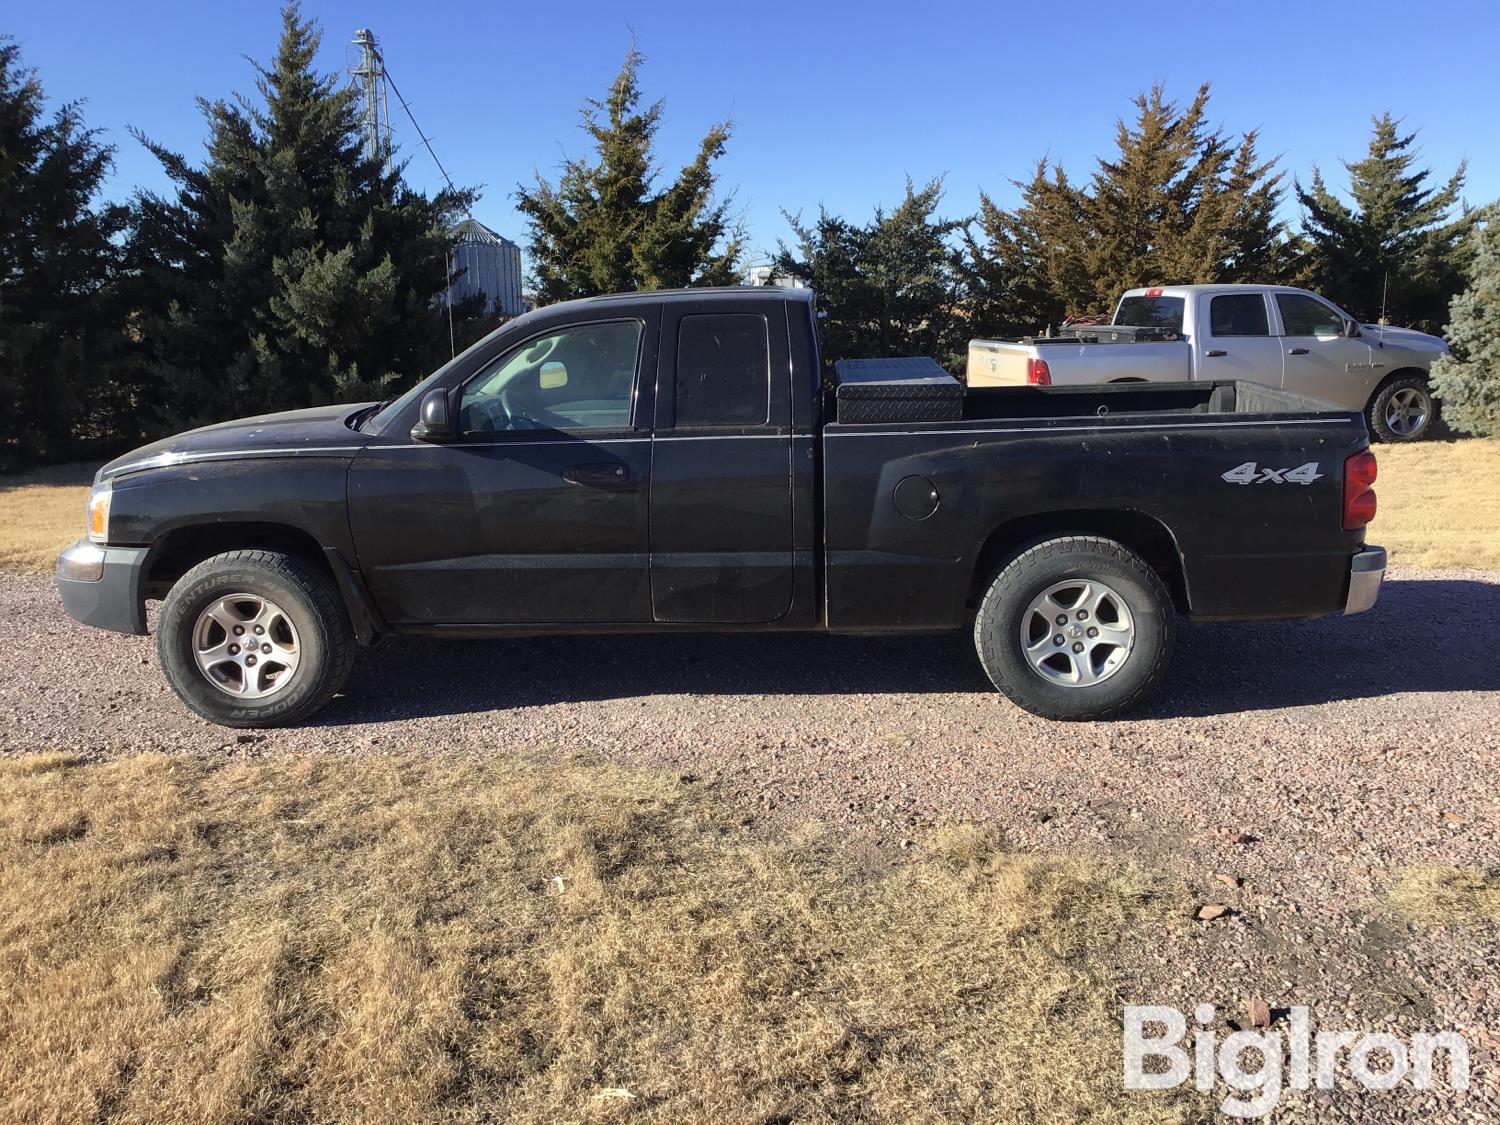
(1296, 351)
(599, 475)
(1215, 354)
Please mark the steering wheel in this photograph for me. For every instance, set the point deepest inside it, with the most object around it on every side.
(496, 414)
(527, 415)
(484, 415)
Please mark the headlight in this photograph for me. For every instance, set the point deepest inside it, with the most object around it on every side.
(99, 513)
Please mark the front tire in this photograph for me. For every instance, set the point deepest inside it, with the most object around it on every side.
(254, 639)
(1402, 410)
(1078, 627)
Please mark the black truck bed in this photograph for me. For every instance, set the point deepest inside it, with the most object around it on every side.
(906, 390)
(1225, 397)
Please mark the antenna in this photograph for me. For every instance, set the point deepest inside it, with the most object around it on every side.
(1385, 286)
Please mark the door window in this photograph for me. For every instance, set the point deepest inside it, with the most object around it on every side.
(582, 377)
(723, 370)
(1238, 314)
(1302, 315)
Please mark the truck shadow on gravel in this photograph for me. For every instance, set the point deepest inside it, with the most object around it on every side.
(1437, 635)
(1423, 636)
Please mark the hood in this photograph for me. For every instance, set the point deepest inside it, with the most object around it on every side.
(318, 431)
(1404, 338)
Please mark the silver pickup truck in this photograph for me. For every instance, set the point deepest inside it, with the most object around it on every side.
(1269, 334)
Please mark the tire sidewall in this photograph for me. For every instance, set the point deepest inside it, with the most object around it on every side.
(174, 644)
(1383, 432)
(998, 628)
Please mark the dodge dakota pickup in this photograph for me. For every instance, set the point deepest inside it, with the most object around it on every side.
(1269, 334)
(678, 460)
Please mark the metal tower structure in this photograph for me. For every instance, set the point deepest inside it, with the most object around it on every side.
(369, 72)
(494, 262)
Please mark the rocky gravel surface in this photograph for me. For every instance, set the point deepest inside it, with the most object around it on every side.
(1286, 771)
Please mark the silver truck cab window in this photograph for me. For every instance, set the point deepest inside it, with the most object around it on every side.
(1238, 314)
(1150, 312)
(1302, 315)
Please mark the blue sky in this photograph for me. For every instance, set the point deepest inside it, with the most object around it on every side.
(831, 103)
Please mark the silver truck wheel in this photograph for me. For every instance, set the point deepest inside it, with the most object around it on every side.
(1077, 634)
(254, 639)
(246, 646)
(1402, 410)
(1407, 411)
(1077, 627)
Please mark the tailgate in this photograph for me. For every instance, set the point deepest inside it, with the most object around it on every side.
(993, 363)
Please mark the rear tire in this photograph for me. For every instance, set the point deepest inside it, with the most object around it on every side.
(1402, 410)
(1111, 610)
(254, 639)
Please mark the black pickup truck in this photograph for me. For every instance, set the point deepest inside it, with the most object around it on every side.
(679, 460)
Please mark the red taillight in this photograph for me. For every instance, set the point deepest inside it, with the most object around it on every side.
(1359, 497)
(1037, 373)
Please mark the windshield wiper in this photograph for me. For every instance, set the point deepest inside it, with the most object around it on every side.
(358, 420)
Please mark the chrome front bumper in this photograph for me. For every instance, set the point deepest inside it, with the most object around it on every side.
(1366, 570)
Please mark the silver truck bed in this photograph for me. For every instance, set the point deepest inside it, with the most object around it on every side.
(998, 363)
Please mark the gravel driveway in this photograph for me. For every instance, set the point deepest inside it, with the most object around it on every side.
(1310, 760)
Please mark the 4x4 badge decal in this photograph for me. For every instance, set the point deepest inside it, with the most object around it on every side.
(1251, 473)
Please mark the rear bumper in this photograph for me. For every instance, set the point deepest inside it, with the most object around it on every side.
(1366, 571)
(101, 586)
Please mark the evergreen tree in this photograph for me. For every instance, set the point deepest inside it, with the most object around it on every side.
(605, 228)
(1025, 268)
(829, 257)
(59, 324)
(890, 287)
(1178, 203)
(1398, 247)
(1141, 208)
(290, 269)
(1259, 249)
(1468, 381)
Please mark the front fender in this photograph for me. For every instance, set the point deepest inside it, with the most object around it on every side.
(309, 494)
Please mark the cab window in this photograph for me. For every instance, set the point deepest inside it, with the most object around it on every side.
(1302, 315)
(1238, 314)
(1150, 312)
(581, 377)
(723, 370)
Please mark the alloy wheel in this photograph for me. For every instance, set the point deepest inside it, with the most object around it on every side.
(246, 646)
(1077, 633)
(1407, 410)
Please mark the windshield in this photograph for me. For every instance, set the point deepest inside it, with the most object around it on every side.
(1150, 312)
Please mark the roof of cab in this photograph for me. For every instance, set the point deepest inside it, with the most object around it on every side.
(564, 311)
(1215, 287)
(707, 292)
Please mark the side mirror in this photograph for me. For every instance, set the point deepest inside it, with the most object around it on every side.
(1351, 328)
(553, 375)
(434, 423)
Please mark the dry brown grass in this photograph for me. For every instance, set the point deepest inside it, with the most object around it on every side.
(1439, 503)
(419, 939)
(41, 512)
(1445, 895)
